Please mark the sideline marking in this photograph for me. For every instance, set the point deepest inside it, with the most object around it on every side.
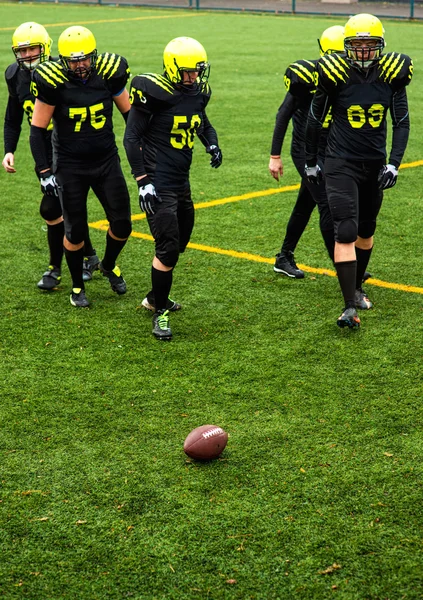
(49, 25)
(104, 224)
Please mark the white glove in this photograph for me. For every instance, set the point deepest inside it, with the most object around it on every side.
(49, 184)
(147, 196)
(313, 174)
(387, 177)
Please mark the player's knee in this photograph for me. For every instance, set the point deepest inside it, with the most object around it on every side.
(366, 229)
(50, 208)
(346, 232)
(121, 228)
(76, 233)
(170, 257)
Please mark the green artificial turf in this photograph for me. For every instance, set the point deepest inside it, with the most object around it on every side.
(319, 491)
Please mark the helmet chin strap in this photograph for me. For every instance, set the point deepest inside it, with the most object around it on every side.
(32, 64)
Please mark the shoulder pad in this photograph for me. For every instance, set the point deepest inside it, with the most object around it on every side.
(150, 88)
(300, 77)
(11, 71)
(206, 90)
(50, 74)
(112, 66)
(114, 70)
(332, 70)
(396, 69)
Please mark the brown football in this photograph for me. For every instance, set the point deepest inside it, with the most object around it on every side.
(205, 442)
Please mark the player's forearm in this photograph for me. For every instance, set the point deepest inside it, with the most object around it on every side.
(136, 128)
(401, 127)
(316, 116)
(12, 124)
(11, 136)
(207, 133)
(39, 142)
(284, 115)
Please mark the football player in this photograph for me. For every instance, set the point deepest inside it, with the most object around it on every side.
(167, 112)
(78, 93)
(31, 45)
(361, 87)
(300, 83)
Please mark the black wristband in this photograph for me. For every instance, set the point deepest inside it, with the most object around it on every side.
(143, 181)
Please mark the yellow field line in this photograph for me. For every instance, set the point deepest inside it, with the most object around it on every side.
(262, 259)
(103, 225)
(172, 16)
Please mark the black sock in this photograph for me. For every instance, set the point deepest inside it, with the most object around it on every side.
(161, 282)
(113, 249)
(346, 277)
(329, 239)
(75, 259)
(298, 220)
(55, 235)
(363, 257)
(88, 247)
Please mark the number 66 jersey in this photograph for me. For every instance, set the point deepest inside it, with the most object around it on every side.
(164, 120)
(83, 127)
(360, 100)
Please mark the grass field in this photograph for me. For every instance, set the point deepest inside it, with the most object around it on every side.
(319, 491)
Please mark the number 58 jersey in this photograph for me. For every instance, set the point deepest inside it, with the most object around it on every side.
(360, 100)
(167, 118)
(82, 119)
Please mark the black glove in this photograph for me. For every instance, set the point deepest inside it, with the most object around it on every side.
(387, 177)
(49, 184)
(313, 174)
(216, 156)
(147, 196)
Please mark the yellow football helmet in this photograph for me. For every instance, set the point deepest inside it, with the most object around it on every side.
(364, 39)
(185, 54)
(77, 43)
(29, 35)
(332, 40)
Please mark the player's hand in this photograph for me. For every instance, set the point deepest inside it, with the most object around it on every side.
(147, 196)
(49, 184)
(216, 156)
(387, 177)
(8, 162)
(313, 174)
(276, 167)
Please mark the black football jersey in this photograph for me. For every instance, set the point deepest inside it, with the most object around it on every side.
(20, 102)
(300, 80)
(360, 100)
(83, 127)
(175, 114)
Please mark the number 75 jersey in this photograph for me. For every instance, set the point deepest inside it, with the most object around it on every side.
(167, 118)
(82, 118)
(360, 100)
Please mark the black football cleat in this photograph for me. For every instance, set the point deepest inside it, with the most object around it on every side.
(90, 265)
(362, 301)
(366, 276)
(286, 265)
(161, 327)
(50, 279)
(349, 318)
(78, 298)
(117, 282)
(149, 304)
